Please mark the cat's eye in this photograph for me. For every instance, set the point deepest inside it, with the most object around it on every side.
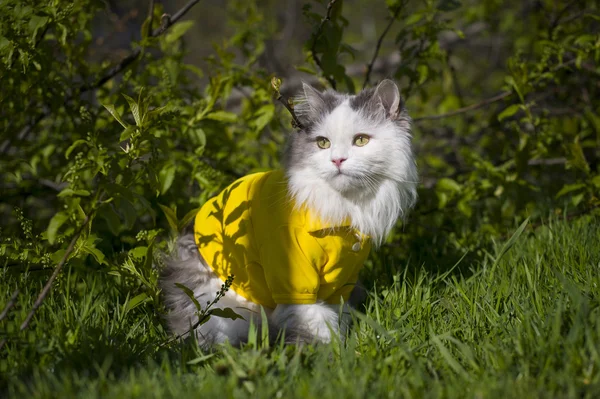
(323, 142)
(360, 140)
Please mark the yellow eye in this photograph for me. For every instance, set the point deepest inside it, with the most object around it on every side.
(323, 143)
(360, 140)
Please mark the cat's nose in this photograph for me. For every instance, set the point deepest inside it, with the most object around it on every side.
(338, 162)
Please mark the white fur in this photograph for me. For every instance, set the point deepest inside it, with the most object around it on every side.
(377, 183)
(312, 322)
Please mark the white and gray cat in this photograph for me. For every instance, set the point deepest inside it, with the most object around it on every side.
(351, 161)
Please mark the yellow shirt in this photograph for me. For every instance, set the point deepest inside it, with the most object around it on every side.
(277, 254)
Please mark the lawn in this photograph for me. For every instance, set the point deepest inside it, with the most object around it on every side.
(523, 320)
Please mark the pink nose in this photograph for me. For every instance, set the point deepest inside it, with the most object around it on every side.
(338, 162)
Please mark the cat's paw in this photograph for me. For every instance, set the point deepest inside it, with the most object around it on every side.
(316, 323)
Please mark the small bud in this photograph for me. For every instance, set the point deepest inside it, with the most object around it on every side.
(276, 83)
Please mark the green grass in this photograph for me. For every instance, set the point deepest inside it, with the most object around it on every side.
(522, 322)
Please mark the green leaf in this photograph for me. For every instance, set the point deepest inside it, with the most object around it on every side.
(171, 217)
(126, 133)
(448, 185)
(226, 313)
(136, 301)
(187, 218)
(91, 249)
(115, 114)
(413, 18)
(464, 208)
(509, 111)
(57, 220)
(190, 295)
(423, 71)
(178, 30)
(69, 192)
(263, 116)
(197, 137)
(576, 200)
(75, 144)
(135, 109)
(222, 116)
(166, 177)
(569, 188)
(578, 157)
(305, 69)
(139, 252)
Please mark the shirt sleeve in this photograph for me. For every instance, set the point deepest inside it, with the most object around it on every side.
(292, 259)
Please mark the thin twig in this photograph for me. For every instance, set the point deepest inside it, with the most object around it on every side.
(468, 108)
(488, 101)
(556, 20)
(327, 18)
(59, 266)
(48, 285)
(166, 22)
(150, 15)
(10, 304)
(378, 46)
(285, 102)
(205, 313)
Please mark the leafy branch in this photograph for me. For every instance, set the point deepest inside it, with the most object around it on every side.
(46, 289)
(205, 313)
(166, 22)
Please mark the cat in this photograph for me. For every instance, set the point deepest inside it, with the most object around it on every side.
(295, 239)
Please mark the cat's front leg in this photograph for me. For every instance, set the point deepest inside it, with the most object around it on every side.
(310, 323)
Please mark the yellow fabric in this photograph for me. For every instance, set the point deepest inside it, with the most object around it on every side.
(278, 255)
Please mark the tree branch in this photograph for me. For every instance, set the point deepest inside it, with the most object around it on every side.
(318, 34)
(488, 101)
(285, 101)
(12, 301)
(150, 17)
(378, 46)
(468, 108)
(166, 22)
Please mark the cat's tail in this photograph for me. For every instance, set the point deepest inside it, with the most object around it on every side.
(183, 267)
(186, 267)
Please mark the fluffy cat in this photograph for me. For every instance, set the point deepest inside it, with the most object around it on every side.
(351, 171)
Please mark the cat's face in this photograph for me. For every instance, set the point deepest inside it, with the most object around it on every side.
(352, 143)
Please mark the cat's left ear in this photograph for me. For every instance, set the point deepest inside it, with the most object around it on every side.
(388, 96)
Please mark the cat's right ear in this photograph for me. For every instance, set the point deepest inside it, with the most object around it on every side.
(388, 97)
(309, 105)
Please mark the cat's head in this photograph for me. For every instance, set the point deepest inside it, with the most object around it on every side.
(353, 143)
